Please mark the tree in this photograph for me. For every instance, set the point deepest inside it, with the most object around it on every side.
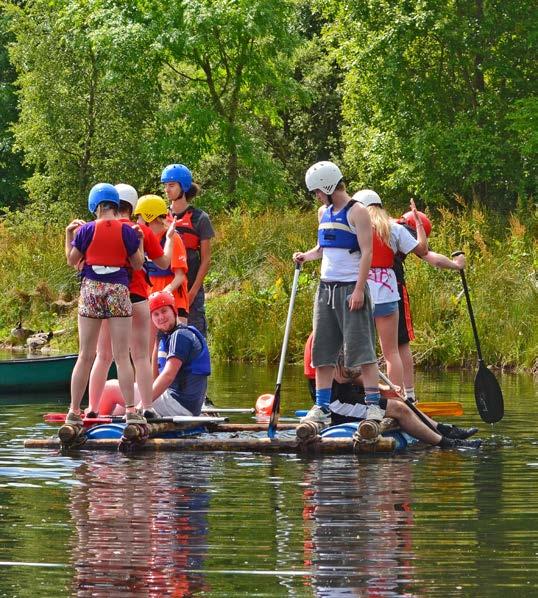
(228, 74)
(428, 91)
(12, 172)
(88, 90)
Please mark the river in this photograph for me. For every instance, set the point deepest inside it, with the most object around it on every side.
(428, 523)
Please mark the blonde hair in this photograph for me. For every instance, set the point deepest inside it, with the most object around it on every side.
(380, 221)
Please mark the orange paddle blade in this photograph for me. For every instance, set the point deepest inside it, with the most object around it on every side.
(441, 409)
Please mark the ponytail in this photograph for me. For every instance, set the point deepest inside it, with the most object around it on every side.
(380, 222)
(192, 192)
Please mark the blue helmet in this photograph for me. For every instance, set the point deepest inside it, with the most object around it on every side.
(177, 173)
(100, 193)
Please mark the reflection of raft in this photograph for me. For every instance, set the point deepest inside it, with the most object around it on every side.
(374, 438)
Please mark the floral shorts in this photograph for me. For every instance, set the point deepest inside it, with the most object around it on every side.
(103, 300)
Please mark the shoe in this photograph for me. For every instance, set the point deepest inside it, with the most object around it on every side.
(150, 414)
(135, 418)
(455, 443)
(374, 412)
(91, 415)
(74, 419)
(317, 414)
(461, 433)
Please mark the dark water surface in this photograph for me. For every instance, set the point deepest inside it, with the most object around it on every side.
(430, 523)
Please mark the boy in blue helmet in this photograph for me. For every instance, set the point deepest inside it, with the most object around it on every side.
(106, 248)
(196, 231)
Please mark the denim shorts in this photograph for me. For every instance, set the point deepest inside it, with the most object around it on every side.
(385, 309)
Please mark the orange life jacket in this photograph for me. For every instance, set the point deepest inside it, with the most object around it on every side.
(107, 247)
(185, 226)
(382, 254)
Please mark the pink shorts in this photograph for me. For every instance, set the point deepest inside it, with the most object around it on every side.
(103, 300)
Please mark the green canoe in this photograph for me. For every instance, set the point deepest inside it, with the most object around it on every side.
(36, 374)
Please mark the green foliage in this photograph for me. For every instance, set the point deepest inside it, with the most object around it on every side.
(252, 272)
(12, 172)
(88, 90)
(429, 94)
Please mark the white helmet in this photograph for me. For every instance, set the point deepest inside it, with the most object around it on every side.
(367, 197)
(323, 176)
(127, 193)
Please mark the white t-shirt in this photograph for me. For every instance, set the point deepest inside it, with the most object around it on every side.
(382, 281)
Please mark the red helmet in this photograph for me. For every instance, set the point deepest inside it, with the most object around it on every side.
(409, 219)
(160, 299)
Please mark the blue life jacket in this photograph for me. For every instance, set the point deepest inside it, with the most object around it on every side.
(334, 230)
(199, 366)
(152, 269)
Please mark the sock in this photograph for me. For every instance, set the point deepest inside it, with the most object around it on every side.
(323, 397)
(410, 393)
(371, 395)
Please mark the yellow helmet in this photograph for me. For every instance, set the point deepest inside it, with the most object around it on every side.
(150, 207)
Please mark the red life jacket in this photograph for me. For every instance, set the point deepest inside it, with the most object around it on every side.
(382, 254)
(107, 247)
(185, 226)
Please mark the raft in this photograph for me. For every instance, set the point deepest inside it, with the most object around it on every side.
(311, 439)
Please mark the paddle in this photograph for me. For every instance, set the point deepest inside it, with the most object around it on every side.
(275, 411)
(487, 392)
(416, 411)
(431, 409)
(59, 418)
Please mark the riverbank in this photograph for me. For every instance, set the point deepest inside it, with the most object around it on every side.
(250, 278)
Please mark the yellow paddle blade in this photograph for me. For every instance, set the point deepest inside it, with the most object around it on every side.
(441, 409)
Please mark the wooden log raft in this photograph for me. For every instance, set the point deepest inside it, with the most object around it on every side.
(370, 429)
(70, 435)
(318, 446)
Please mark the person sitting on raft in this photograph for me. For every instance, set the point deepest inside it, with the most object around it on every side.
(183, 361)
(348, 405)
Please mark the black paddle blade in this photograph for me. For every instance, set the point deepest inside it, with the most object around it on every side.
(488, 395)
(275, 414)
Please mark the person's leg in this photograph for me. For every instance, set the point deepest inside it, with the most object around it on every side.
(406, 357)
(100, 368)
(120, 334)
(88, 333)
(410, 423)
(140, 342)
(197, 317)
(387, 328)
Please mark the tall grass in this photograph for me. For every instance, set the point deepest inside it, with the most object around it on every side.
(250, 279)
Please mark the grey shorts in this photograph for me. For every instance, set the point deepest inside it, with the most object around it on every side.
(337, 327)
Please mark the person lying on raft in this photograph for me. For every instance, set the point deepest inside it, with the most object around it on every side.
(347, 405)
(184, 365)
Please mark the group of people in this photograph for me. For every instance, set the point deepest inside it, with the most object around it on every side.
(362, 289)
(142, 299)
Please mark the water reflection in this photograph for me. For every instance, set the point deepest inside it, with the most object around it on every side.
(367, 548)
(141, 528)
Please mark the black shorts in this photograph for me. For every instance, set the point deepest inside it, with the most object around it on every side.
(137, 298)
(405, 322)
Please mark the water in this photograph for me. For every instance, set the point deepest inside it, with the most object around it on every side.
(430, 523)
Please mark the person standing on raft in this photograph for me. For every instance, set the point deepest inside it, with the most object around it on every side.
(388, 239)
(108, 248)
(405, 322)
(342, 309)
(196, 232)
(141, 323)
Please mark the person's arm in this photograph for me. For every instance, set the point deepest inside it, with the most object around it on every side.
(358, 216)
(72, 254)
(300, 257)
(422, 246)
(166, 377)
(164, 260)
(176, 282)
(438, 260)
(205, 261)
